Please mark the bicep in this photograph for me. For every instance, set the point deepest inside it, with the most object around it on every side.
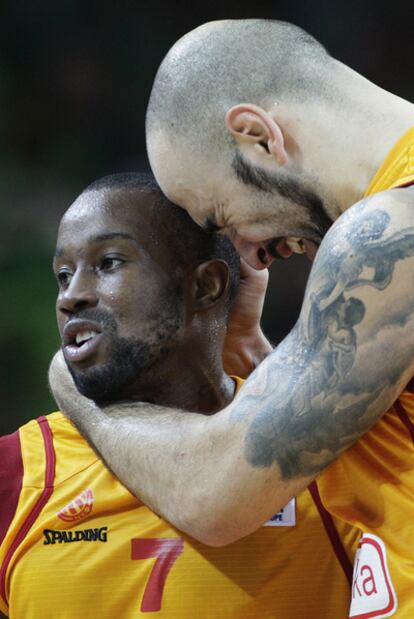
(310, 400)
(377, 320)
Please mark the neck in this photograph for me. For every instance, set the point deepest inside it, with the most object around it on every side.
(188, 381)
(354, 132)
(383, 119)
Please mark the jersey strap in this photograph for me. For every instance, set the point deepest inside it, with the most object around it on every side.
(38, 506)
(11, 477)
(331, 532)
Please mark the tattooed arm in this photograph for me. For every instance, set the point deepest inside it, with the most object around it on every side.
(344, 363)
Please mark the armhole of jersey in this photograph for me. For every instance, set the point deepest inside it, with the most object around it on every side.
(11, 479)
(50, 460)
(404, 418)
(332, 532)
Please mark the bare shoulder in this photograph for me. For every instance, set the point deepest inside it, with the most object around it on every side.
(373, 218)
(375, 233)
(397, 203)
(397, 196)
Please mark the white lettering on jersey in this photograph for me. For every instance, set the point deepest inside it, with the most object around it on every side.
(373, 594)
(285, 518)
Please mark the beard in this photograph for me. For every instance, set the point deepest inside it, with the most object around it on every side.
(125, 373)
(111, 381)
(289, 187)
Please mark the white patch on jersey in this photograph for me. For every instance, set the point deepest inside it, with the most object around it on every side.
(285, 518)
(373, 594)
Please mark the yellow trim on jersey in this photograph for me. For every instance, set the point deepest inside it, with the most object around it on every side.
(398, 167)
(238, 382)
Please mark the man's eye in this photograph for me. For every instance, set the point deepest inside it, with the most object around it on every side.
(63, 278)
(110, 263)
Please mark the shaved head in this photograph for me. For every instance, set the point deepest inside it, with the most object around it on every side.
(223, 63)
(205, 144)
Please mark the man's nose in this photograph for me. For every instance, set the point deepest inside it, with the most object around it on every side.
(79, 295)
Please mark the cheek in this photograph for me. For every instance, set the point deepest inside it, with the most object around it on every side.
(121, 292)
(136, 299)
(135, 310)
(255, 232)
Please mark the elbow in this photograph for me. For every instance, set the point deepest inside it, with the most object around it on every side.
(215, 536)
(214, 529)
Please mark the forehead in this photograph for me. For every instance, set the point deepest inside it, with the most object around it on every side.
(198, 192)
(132, 219)
(187, 179)
(215, 197)
(102, 212)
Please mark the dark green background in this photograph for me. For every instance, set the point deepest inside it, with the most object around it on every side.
(74, 82)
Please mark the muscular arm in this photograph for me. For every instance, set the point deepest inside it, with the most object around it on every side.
(219, 478)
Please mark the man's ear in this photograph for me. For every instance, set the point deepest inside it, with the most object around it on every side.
(209, 285)
(252, 125)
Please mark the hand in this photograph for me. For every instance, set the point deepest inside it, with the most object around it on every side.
(61, 384)
(246, 346)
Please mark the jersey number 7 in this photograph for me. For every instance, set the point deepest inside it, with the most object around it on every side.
(166, 550)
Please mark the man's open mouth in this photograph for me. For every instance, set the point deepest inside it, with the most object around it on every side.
(284, 247)
(259, 254)
(81, 339)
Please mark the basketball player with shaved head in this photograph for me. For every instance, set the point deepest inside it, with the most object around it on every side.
(260, 134)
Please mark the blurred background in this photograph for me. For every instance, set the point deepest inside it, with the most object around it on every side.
(75, 77)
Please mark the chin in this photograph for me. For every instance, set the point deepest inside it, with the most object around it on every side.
(100, 387)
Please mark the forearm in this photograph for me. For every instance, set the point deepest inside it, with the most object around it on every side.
(171, 459)
(142, 444)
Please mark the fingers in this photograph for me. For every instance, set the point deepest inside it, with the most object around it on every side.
(256, 281)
